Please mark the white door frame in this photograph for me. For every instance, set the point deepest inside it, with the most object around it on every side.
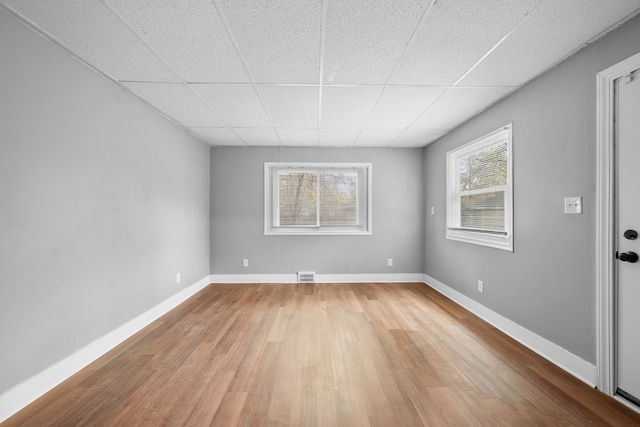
(605, 221)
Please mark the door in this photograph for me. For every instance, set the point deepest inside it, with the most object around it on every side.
(627, 129)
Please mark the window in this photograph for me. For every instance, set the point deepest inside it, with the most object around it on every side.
(317, 198)
(480, 191)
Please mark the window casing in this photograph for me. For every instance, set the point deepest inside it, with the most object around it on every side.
(480, 191)
(317, 198)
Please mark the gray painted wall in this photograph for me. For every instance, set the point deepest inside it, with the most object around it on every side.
(547, 284)
(102, 202)
(237, 224)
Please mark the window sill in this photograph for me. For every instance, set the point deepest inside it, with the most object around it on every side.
(308, 232)
(503, 242)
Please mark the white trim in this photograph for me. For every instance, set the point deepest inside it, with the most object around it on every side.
(20, 396)
(504, 134)
(576, 366)
(23, 394)
(270, 200)
(320, 278)
(254, 278)
(605, 312)
(370, 278)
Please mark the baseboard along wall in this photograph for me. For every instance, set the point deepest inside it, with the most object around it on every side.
(21, 395)
(576, 366)
(26, 392)
(319, 278)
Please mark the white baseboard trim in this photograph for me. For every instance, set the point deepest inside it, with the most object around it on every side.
(370, 278)
(576, 366)
(23, 394)
(320, 278)
(254, 278)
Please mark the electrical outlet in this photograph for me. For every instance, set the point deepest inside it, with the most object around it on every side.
(390, 262)
(433, 210)
(480, 286)
(245, 262)
(178, 278)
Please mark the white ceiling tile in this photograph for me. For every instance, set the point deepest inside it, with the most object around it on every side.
(399, 106)
(291, 106)
(280, 40)
(365, 38)
(338, 137)
(347, 107)
(454, 36)
(553, 30)
(457, 106)
(377, 137)
(91, 31)
(418, 138)
(218, 136)
(177, 101)
(431, 43)
(190, 36)
(259, 136)
(298, 137)
(237, 105)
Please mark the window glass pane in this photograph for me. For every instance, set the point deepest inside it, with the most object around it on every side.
(297, 199)
(485, 169)
(480, 191)
(483, 211)
(317, 198)
(339, 198)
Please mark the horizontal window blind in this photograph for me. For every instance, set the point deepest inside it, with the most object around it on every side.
(485, 169)
(297, 198)
(308, 198)
(339, 198)
(480, 175)
(479, 191)
(483, 211)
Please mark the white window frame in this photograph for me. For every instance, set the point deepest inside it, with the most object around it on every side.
(365, 190)
(488, 238)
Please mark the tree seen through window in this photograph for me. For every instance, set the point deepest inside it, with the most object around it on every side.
(318, 198)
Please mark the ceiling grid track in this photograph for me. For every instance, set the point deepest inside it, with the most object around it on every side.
(323, 24)
(524, 18)
(241, 73)
(88, 64)
(494, 47)
(386, 84)
(236, 46)
(161, 59)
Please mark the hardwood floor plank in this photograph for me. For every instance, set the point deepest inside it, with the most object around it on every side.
(366, 354)
(261, 388)
(230, 410)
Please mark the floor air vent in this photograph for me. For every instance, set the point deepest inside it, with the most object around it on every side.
(306, 276)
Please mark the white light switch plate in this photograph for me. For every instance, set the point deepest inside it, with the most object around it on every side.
(573, 205)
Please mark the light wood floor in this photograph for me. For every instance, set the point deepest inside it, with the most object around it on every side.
(322, 355)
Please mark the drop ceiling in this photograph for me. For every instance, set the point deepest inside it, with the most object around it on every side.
(397, 73)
